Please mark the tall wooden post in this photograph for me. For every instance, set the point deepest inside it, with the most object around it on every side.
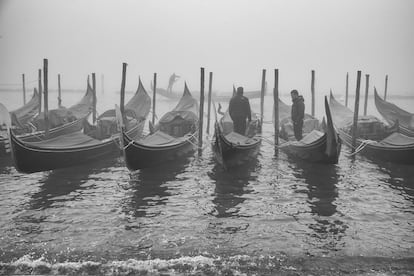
(94, 98)
(276, 109)
(313, 92)
(262, 92)
(59, 93)
(154, 94)
(45, 92)
(210, 85)
(39, 83)
(200, 127)
(356, 109)
(386, 88)
(122, 104)
(366, 93)
(24, 89)
(346, 89)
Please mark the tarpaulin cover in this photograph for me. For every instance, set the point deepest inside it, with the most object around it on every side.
(57, 117)
(22, 115)
(84, 106)
(140, 103)
(72, 140)
(160, 138)
(187, 109)
(392, 113)
(397, 139)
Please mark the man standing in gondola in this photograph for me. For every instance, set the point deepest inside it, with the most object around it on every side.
(171, 81)
(297, 113)
(239, 109)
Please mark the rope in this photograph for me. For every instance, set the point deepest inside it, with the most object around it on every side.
(361, 146)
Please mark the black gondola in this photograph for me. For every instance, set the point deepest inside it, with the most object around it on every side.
(374, 138)
(75, 148)
(174, 137)
(393, 114)
(317, 146)
(232, 149)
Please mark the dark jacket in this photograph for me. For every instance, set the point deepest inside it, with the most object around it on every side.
(239, 107)
(298, 109)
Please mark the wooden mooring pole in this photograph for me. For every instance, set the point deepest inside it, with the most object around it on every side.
(386, 87)
(59, 93)
(313, 92)
(94, 98)
(154, 95)
(356, 109)
(346, 89)
(122, 107)
(39, 83)
(276, 109)
(201, 116)
(24, 89)
(366, 94)
(210, 86)
(45, 92)
(262, 92)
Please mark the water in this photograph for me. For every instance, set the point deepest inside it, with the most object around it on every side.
(274, 216)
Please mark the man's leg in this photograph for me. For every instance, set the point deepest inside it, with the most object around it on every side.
(297, 129)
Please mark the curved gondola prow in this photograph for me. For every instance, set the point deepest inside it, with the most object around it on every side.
(333, 142)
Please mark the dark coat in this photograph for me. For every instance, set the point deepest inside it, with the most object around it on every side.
(239, 107)
(298, 109)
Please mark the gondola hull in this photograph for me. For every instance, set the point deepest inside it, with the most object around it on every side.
(29, 159)
(315, 152)
(320, 148)
(138, 156)
(377, 152)
(230, 154)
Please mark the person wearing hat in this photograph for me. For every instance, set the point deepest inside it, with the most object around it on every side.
(297, 113)
(239, 109)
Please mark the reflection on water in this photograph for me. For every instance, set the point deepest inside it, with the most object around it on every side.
(230, 188)
(322, 192)
(400, 178)
(63, 185)
(149, 187)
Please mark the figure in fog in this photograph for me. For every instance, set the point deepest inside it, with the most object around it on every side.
(297, 113)
(239, 109)
(172, 80)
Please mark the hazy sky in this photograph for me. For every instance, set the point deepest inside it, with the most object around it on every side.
(235, 39)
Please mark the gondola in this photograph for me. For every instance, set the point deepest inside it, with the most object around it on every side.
(232, 149)
(316, 146)
(94, 143)
(173, 137)
(393, 114)
(374, 139)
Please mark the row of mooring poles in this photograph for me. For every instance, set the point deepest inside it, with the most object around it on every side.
(366, 90)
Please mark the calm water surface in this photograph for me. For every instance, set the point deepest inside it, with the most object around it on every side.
(191, 216)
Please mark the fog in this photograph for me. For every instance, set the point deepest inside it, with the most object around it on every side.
(234, 39)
